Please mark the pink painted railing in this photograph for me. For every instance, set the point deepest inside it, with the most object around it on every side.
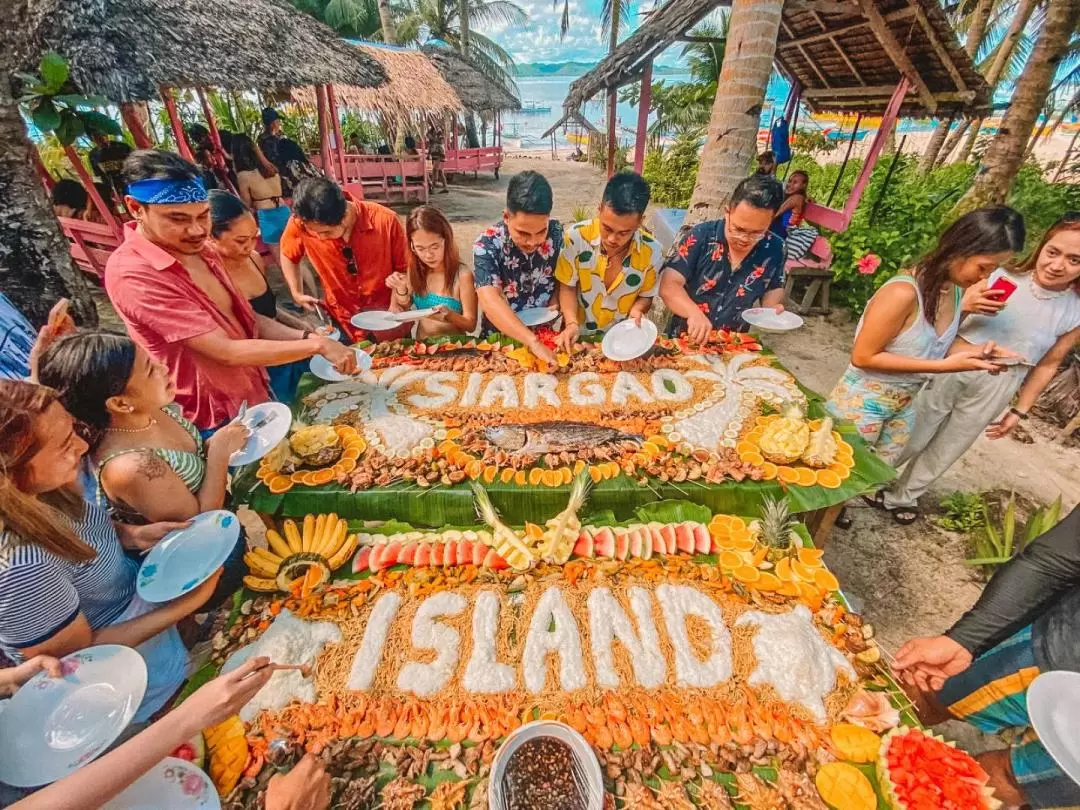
(91, 244)
(385, 177)
(486, 158)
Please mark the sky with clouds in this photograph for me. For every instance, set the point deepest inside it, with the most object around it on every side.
(539, 41)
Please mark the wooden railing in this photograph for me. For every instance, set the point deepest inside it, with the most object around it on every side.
(385, 177)
(487, 158)
(91, 244)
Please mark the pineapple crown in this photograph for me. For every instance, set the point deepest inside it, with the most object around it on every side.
(776, 522)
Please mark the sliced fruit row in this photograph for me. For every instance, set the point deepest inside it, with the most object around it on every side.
(353, 447)
(643, 540)
(424, 555)
(830, 477)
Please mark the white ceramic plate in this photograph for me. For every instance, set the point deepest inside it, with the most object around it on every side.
(322, 369)
(331, 332)
(187, 557)
(626, 340)
(278, 420)
(1053, 702)
(172, 784)
(54, 726)
(376, 320)
(547, 728)
(536, 316)
(768, 320)
(412, 315)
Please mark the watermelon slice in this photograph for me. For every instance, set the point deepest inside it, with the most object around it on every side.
(479, 552)
(584, 545)
(917, 770)
(659, 545)
(635, 542)
(423, 555)
(604, 542)
(671, 540)
(375, 561)
(438, 554)
(494, 561)
(449, 554)
(464, 552)
(390, 555)
(622, 544)
(684, 537)
(361, 560)
(702, 539)
(408, 554)
(194, 751)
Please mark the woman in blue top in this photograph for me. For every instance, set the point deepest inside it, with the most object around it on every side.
(436, 278)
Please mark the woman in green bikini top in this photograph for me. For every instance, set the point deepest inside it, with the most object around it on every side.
(150, 462)
(436, 279)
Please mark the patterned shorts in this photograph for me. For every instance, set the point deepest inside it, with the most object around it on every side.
(883, 412)
(991, 694)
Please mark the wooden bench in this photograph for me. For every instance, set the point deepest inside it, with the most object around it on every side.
(815, 267)
(385, 177)
(91, 244)
(486, 158)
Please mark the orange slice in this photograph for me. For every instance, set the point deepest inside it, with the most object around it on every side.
(743, 543)
(759, 556)
(844, 449)
(579, 465)
(297, 477)
(353, 454)
(536, 476)
(787, 475)
(650, 449)
(521, 478)
(724, 541)
(309, 478)
(552, 478)
(738, 525)
(280, 484)
(803, 571)
(811, 557)
(783, 570)
(768, 582)
(596, 474)
(533, 531)
(807, 477)
(507, 475)
(826, 580)
(489, 475)
(842, 470)
(453, 433)
(322, 477)
(474, 469)
(659, 440)
(356, 443)
(762, 421)
(768, 470)
(346, 465)
(567, 475)
(611, 469)
(345, 432)
(788, 589)
(729, 560)
(721, 520)
(811, 596)
(753, 458)
(754, 436)
(814, 424)
(745, 447)
(747, 574)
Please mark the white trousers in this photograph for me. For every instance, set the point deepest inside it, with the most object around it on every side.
(949, 416)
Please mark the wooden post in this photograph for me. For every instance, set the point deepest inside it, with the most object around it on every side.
(211, 122)
(103, 208)
(324, 133)
(331, 111)
(612, 102)
(847, 156)
(644, 102)
(176, 124)
(46, 178)
(135, 126)
(887, 121)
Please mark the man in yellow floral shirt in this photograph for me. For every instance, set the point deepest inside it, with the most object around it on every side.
(609, 265)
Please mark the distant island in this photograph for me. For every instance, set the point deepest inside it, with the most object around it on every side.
(531, 69)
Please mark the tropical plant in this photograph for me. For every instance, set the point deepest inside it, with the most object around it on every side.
(1004, 538)
(812, 142)
(55, 105)
(670, 170)
(963, 512)
(350, 18)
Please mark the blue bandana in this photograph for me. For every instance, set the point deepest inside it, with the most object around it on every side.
(168, 192)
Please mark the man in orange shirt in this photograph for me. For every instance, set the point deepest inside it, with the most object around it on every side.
(353, 244)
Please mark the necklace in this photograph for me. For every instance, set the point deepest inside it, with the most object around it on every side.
(1042, 293)
(149, 425)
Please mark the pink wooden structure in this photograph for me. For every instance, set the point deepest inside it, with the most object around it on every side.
(484, 159)
(386, 178)
(91, 244)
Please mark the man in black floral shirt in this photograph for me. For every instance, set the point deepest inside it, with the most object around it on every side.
(722, 267)
(514, 261)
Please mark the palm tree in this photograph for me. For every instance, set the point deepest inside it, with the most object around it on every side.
(1006, 151)
(360, 19)
(731, 141)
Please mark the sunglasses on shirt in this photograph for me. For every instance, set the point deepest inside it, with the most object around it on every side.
(350, 260)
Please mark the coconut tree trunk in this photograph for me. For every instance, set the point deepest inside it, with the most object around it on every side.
(969, 144)
(1006, 151)
(36, 268)
(1008, 44)
(1064, 165)
(952, 141)
(980, 17)
(930, 155)
(463, 27)
(386, 23)
(731, 140)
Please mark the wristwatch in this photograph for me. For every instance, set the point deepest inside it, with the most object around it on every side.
(1019, 414)
(307, 333)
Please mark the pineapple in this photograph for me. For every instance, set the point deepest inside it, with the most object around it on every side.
(776, 529)
(228, 750)
(785, 439)
(562, 531)
(504, 540)
(821, 452)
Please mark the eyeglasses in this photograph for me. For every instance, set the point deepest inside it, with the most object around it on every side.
(428, 250)
(350, 260)
(741, 233)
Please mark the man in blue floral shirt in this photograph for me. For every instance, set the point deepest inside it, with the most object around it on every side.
(514, 261)
(722, 267)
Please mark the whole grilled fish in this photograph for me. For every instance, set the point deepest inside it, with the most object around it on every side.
(554, 437)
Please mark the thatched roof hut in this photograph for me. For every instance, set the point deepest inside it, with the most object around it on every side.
(848, 55)
(476, 91)
(414, 88)
(126, 49)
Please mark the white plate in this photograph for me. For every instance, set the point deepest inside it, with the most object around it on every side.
(1053, 702)
(626, 340)
(54, 726)
(322, 369)
(172, 784)
(266, 438)
(412, 314)
(334, 333)
(535, 316)
(187, 557)
(562, 732)
(376, 320)
(768, 320)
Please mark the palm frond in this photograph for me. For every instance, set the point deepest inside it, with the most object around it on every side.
(625, 14)
(496, 12)
(564, 19)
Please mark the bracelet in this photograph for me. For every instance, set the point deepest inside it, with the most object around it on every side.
(1019, 414)
(306, 335)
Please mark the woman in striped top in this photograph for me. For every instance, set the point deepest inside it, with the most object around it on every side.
(65, 582)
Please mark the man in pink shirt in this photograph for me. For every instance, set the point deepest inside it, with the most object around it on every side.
(180, 305)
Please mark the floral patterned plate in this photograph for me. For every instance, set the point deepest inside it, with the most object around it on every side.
(535, 316)
(172, 784)
(54, 726)
(187, 557)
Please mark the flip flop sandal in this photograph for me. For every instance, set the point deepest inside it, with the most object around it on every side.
(877, 500)
(904, 515)
(843, 520)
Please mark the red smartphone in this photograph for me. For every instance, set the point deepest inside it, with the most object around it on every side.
(1003, 285)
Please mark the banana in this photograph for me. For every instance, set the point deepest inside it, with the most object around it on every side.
(266, 554)
(260, 584)
(311, 529)
(335, 539)
(292, 535)
(278, 544)
(344, 553)
(258, 565)
(327, 537)
(321, 524)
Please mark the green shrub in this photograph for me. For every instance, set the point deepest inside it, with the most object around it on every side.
(671, 171)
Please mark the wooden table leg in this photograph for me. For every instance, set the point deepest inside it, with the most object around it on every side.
(826, 520)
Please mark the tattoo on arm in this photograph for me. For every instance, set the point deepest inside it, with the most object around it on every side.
(152, 466)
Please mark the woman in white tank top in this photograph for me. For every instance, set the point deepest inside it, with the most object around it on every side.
(1041, 323)
(911, 322)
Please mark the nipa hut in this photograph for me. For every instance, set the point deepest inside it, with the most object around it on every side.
(477, 92)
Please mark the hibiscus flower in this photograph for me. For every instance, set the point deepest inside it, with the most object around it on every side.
(703, 307)
(759, 271)
(868, 264)
(686, 244)
(706, 285)
(741, 292)
(492, 231)
(546, 249)
(511, 289)
(717, 252)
